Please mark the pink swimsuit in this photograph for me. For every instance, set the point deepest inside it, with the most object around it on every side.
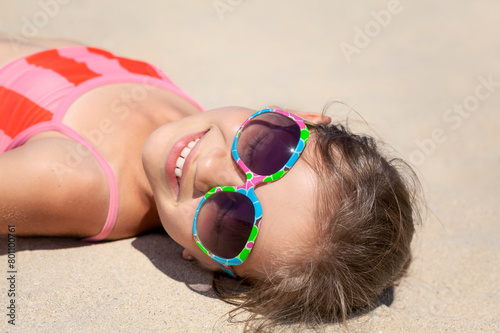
(36, 91)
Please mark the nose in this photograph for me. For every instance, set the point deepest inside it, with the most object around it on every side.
(217, 168)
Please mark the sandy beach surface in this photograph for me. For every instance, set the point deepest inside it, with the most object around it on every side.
(424, 75)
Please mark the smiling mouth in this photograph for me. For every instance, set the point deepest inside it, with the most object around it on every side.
(179, 164)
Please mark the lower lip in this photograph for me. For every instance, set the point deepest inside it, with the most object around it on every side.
(173, 155)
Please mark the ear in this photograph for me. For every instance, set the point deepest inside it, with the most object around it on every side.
(186, 255)
(310, 116)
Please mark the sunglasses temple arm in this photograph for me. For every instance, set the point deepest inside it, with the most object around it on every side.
(309, 124)
(227, 270)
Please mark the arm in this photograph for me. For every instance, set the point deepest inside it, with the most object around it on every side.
(44, 195)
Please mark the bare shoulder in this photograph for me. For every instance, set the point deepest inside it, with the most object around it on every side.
(49, 190)
(13, 46)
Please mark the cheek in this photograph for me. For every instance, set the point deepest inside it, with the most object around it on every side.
(178, 223)
(204, 260)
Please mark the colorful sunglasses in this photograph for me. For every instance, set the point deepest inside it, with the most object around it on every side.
(228, 218)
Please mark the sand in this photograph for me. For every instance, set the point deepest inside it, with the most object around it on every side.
(425, 75)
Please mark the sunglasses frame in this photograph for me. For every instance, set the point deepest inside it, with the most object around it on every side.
(248, 189)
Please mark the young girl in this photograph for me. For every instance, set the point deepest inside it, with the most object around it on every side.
(301, 221)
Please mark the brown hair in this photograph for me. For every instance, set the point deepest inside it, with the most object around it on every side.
(365, 224)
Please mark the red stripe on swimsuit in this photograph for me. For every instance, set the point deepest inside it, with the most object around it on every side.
(133, 66)
(73, 71)
(36, 91)
(24, 112)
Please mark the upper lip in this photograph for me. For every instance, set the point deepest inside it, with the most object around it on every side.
(172, 157)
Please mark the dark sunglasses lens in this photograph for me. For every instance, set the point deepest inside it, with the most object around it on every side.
(225, 222)
(267, 142)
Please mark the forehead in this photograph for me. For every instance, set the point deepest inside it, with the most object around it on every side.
(288, 223)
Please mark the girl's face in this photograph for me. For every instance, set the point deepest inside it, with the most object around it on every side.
(287, 204)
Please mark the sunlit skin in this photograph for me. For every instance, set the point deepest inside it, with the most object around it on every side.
(288, 204)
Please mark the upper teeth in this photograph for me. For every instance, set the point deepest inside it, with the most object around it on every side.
(180, 161)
